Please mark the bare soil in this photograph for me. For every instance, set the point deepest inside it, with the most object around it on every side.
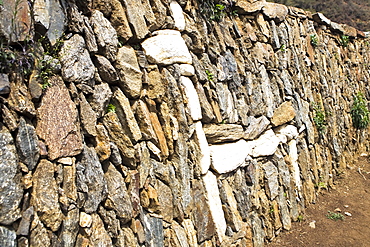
(350, 195)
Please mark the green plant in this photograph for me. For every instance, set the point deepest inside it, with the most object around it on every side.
(111, 108)
(319, 118)
(334, 216)
(314, 40)
(1, 2)
(210, 76)
(344, 40)
(300, 218)
(321, 185)
(360, 112)
(282, 47)
(219, 12)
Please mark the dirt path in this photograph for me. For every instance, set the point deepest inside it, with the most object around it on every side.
(351, 195)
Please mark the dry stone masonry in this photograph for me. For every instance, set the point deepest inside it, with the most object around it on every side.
(157, 124)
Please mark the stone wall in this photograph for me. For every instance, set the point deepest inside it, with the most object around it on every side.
(155, 125)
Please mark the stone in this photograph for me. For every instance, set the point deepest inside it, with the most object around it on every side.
(10, 119)
(69, 182)
(349, 31)
(20, 99)
(134, 192)
(256, 127)
(180, 234)
(50, 19)
(206, 108)
(4, 84)
(275, 11)
(272, 176)
(39, 236)
(135, 15)
(106, 35)
(119, 21)
(100, 99)
(155, 81)
(106, 70)
(99, 236)
(142, 114)
(220, 133)
(249, 6)
(15, 26)
(129, 72)
(27, 144)
(127, 238)
(205, 154)
(45, 197)
(283, 114)
(192, 98)
(91, 180)
(8, 238)
(226, 103)
(166, 47)
(103, 147)
(11, 191)
(24, 225)
(190, 232)
(118, 198)
(187, 70)
(289, 131)
(265, 145)
(293, 163)
(87, 116)
(215, 205)
(126, 115)
(75, 60)
(157, 126)
(85, 220)
(153, 228)
(120, 139)
(177, 15)
(233, 218)
(165, 199)
(321, 19)
(70, 228)
(111, 221)
(57, 122)
(229, 156)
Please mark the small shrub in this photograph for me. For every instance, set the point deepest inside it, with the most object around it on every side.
(282, 48)
(210, 76)
(300, 218)
(334, 216)
(314, 40)
(111, 108)
(319, 118)
(360, 112)
(344, 40)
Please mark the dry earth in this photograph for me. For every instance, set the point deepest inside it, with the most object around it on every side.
(350, 195)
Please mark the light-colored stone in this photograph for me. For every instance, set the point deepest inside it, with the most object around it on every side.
(135, 16)
(256, 127)
(219, 133)
(192, 98)
(166, 47)
(275, 11)
(177, 15)
(205, 154)
(265, 145)
(229, 156)
(213, 196)
(289, 131)
(249, 6)
(294, 166)
(187, 69)
(85, 220)
(283, 114)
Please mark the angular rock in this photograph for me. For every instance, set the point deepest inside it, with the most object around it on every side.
(165, 199)
(117, 135)
(275, 11)
(57, 122)
(226, 103)
(283, 114)
(190, 232)
(106, 70)
(127, 238)
(45, 196)
(11, 191)
(39, 236)
(135, 14)
(233, 218)
(88, 116)
(289, 131)
(256, 127)
(205, 154)
(229, 156)
(156, 86)
(219, 133)
(206, 108)
(9, 118)
(70, 228)
(157, 126)
(99, 236)
(349, 31)
(192, 98)
(85, 220)
(20, 99)
(24, 225)
(27, 144)
(119, 21)
(321, 19)
(100, 99)
(249, 6)
(106, 35)
(4, 84)
(166, 47)
(91, 180)
(76, 62)
(118, 197)
(143, 116)
(50, 18)
(129, 72)
(294, 166)
(103, 147)
(265, 145)
(125, 115)
(272, 176)
(177, 15)
(69, 182)
(8, 238)
(153, 230)
(180, 234)
(215, 205)
(187, 70)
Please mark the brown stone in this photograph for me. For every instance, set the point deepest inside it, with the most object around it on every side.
(249, 6)
(102, 147)
(223, 132)
(275, 11)
(57, 122)
(283, 114)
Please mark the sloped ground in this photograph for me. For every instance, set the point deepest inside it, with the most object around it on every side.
(352, 195)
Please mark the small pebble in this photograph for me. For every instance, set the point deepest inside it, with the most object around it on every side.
(312, 224)
(348, 214)
(338, 210)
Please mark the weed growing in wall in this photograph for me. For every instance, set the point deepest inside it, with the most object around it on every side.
(319, 118)
(214, 10)
(344, 40)
(360, 112)
(314, 40)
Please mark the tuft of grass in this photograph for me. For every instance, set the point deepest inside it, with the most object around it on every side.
(314, 40)
(359, 112)
(210, 76)
(344, 40)
(111, 108)
(319, 118)
(334, 216)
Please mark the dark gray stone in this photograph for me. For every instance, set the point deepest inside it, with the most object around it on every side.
(4, 84)
(100, 99)
(153, 228)
(7, 237)
(27, 144)
(24, 225)
(91, 180)
(106, 70)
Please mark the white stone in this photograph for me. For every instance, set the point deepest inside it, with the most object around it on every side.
(187, 70)
(85, 219)
(192, 97)
(215, 205)
(205, 154)
(229, 156)
(289, 131)
(265, 145)
(293, 155)
(166, 47)
(178, 15)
